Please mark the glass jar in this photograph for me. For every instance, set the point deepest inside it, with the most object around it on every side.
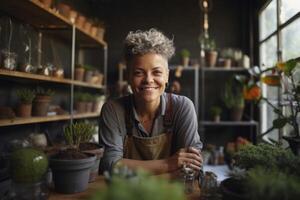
(188, 179)
(8, 60)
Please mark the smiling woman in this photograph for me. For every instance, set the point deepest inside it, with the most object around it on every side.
(150, 129)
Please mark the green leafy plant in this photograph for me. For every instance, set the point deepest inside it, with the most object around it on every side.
(185, 53)
(140, 186)
(215, 110)
(272, 184)
(78, 133)
(80, 97)
(26, 96)
(233, 94)
(207, 43)
(89, 67)
(44, 92)
(284, 75)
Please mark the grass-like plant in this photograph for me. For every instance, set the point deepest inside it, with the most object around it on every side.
(44, 92)
(26, 96)
(215, 110)
(78, 133)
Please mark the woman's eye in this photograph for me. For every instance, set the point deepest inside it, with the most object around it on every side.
(138, 73)
(157, 72)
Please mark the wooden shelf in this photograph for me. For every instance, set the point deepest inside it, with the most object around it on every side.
(38, 77)
(36, 14)
(86, 115)
(32, 120)
(228, 123)
(223, 69)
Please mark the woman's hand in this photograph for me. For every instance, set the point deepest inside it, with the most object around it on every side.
(189, 156)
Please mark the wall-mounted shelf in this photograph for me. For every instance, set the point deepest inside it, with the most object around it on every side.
(32, 120)
(36, 14)
(38, 77)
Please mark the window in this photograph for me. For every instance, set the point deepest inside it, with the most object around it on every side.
(277, 41)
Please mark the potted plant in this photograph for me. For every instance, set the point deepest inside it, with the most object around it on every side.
(234, 99)
(226, 55)
(208, 45)
(127, 185)
(89, 147)
(41, 101)
(89, 71)
(79, 72)
(284, 75)
(216, 113)
(28, 168)
(26, 97)
(70, 167)
(259, 163)
(80, 102)
(98, 103)
(89, 102)
(185, 56)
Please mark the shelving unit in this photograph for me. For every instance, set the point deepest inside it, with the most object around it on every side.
(193, 72)
(207, 127)
(49, 21)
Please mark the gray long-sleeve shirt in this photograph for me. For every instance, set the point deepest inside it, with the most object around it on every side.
(113, 127)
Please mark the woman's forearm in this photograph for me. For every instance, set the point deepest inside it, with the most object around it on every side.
(153, 166)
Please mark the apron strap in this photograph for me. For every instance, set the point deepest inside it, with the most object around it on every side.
(128, 115)
(168, 114)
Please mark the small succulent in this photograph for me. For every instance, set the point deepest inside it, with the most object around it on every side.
(185, 53)
(215, 110)
(26, 95)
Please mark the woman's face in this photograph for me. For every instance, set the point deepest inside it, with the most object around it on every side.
(148, 76)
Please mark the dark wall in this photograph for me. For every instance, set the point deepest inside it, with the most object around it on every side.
(181, 19)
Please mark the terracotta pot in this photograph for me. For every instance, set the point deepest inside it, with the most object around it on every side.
(73, 16)
(100, 33)
(185, 61)
(79, 74)
(64, 9)
(97, 105)
(41, 105)
(211, 58)
(47, 3)
(88, 76)
(24, 110)
(236, 113)
(87, 26)
(80, 107)
(94, 31)
(80, 20)
(89, 107)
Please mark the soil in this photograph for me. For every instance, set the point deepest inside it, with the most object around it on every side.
(88, 146)
(70, 154)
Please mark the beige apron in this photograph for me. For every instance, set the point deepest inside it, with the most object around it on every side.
(148, 148)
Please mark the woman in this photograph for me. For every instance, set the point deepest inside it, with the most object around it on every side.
(149, 129)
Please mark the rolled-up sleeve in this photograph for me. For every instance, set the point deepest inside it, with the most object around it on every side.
(186, 125)
(110, 136)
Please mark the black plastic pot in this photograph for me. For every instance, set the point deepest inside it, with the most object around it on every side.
(233, 189)
(71, 176)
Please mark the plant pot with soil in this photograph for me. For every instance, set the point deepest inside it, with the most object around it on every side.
(80, 102)
(185, 56)
(86, 132)
(26, 97)
(41, 101)
(70, 167)
(79, 72)
(216, 113)
(89, 71)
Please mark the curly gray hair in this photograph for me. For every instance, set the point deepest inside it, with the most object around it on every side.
(152, 41)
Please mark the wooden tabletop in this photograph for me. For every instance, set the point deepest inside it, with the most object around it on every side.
(99, 184)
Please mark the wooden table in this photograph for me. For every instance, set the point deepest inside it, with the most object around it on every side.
(99, 184)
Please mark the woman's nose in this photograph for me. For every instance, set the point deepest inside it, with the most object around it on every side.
(148, 78)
